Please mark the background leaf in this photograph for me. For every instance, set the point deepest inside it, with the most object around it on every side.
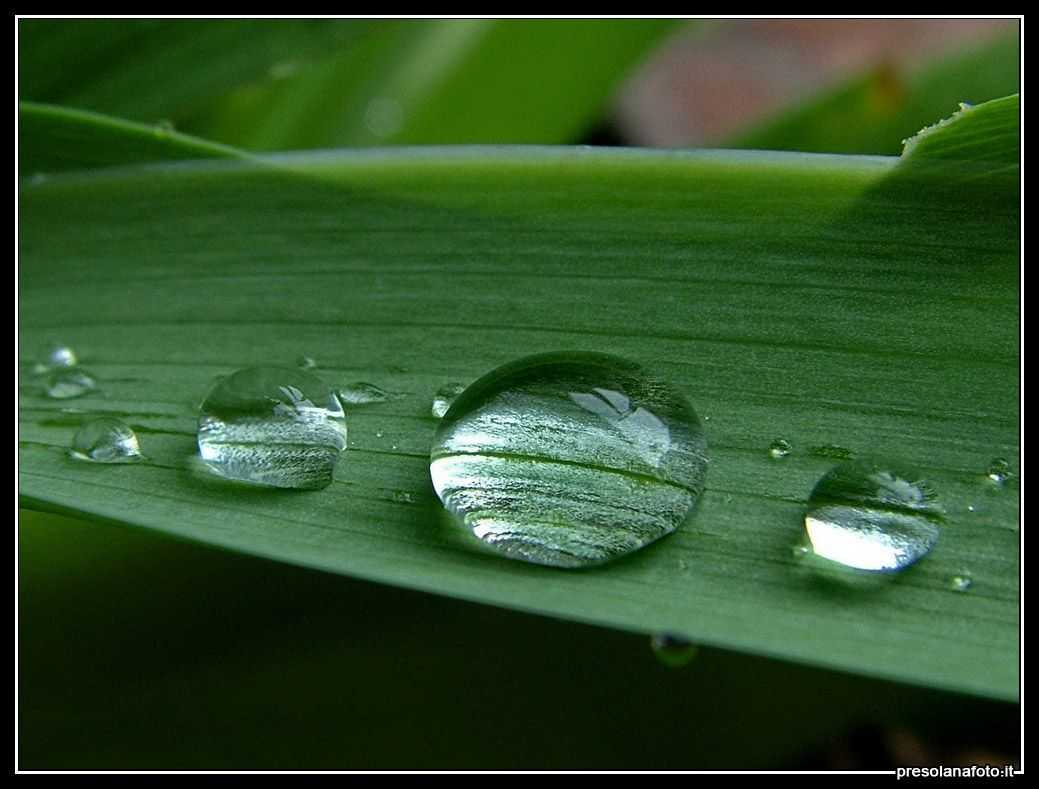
(55, 139)
(163, 70)
(873, 112)
(773, 289)
(280, 84)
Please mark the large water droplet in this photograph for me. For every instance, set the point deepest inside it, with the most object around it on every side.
(443, 398)
(673, 651)
(362, 393)
(872, 516)
(55, 356)
(779, 449)
(271, 426)
(69, 382)
(106, 440)
(569, 460)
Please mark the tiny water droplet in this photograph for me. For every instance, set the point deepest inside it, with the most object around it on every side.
(966, 105)
(278, 427)
(378, 434)
(569, 459)
(961, 582)
(164, 127)
(779, 449)
(444, 396)
(306, 363)
(872, 516)
(361, 393)
(998, 471)
(800, 551)
(55, 356)
(69, 382)
(403, 496)
(831, 451)
(673, 651)
(106, 440)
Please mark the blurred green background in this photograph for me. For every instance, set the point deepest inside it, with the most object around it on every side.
(137, 651)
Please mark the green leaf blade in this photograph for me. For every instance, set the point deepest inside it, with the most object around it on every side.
(756, 282)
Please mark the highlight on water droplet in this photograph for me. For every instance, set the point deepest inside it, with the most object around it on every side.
(69, 382)
(55, 356)
(306, 363)
(106, 440)
(271, 426)
(444, 396)
(779, 449)
(363, 393)
(569, 459)
(673, 651)
(998, 471)
(961, 582)
(873, 515)
(800, 551)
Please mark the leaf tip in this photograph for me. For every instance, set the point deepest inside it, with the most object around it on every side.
(910, 143)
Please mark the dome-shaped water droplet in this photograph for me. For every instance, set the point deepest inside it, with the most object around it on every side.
(673, 651)
(271, 426)
(69, 382)
(998, 471)
(872, 516)
(106, 440)
(362, 393)
(569, 460)
(779, 449)
(55, 356)
(961, 582)
(443, 398)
